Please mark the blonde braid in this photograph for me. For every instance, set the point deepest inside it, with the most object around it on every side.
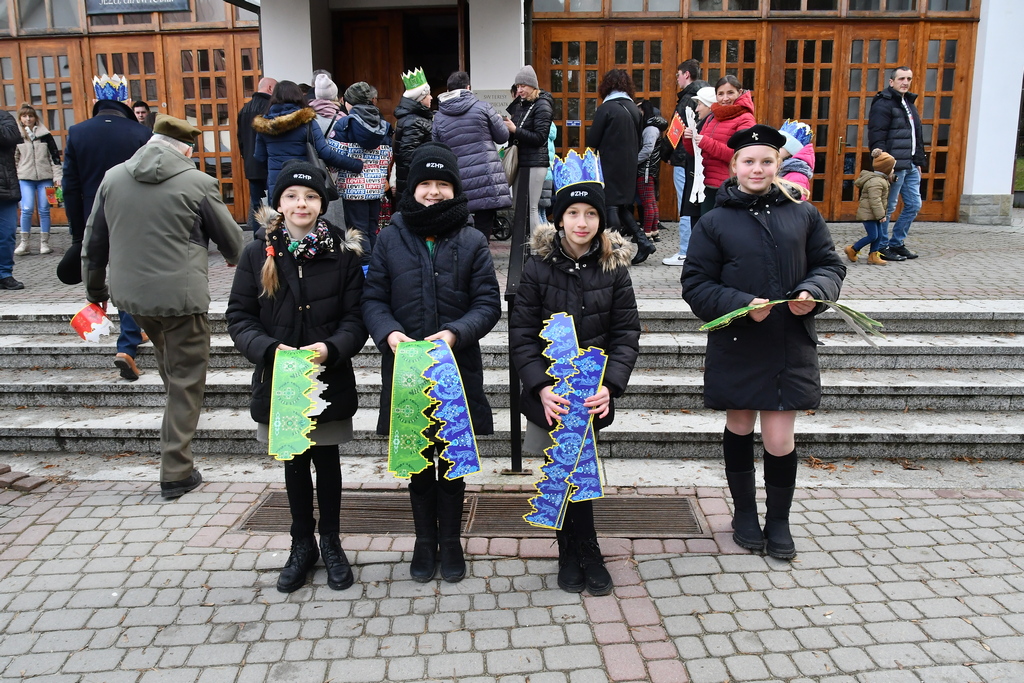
(268, 274)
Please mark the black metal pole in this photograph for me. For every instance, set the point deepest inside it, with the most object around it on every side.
(517, 257)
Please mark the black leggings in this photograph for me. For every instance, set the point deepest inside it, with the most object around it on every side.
(434, 476)
(298, 482)
(620, 219)
(580, 518)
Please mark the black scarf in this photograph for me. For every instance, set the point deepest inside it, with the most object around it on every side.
(437, 220)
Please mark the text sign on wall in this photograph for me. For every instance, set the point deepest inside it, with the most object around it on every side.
(499, 99)
(129, 6)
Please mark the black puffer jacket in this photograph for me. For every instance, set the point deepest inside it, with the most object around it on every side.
(532, 137)
(615, 133)
(889, 129)
(317, 302)
(597, 291)
(770, 247)
(419, 293)
(411, 131)
(684, 101)
(10, 138)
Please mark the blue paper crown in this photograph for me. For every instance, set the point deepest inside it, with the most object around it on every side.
(110, 88)
(576, 169)
(798, 129)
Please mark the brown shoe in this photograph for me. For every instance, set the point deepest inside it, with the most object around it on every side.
(851, 254)
(126, 364)
(875, 259)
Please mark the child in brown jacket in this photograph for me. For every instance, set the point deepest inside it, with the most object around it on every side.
(874, 193)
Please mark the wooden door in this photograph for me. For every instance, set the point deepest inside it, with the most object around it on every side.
(727, 49)
(140, 60)
(205, 89)
(370, 50)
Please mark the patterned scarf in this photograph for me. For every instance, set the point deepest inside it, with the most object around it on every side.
(319, 239)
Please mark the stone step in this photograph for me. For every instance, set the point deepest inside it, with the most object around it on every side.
(658, 315)
(671, 434)
(649, 388)
(657, 350)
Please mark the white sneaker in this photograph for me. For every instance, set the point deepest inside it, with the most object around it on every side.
(674, 260)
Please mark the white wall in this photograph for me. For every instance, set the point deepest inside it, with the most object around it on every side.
(995, 99)
(496, 43)
(296, 38)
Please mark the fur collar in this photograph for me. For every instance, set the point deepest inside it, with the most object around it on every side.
(283, 123)
(269, 220)
(548, 245)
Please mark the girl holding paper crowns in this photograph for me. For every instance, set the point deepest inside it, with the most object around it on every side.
(431, 278)
(299, 285)
(761, 244)
(580, 268)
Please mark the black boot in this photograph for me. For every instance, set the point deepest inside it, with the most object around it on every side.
(779, 542)
(644, 248)
(300, 562)
(599, 581)
(449, 527)
(424, 517)
(570, 573)
(745, 524)
(339, 571)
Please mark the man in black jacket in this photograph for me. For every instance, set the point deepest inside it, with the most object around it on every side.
(689, 82)
(10, 195)
(894, 126)
(255, 171)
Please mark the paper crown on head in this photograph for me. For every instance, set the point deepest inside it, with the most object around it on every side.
(110, 87)
(576, 169)
(414, 79)
(798, 129)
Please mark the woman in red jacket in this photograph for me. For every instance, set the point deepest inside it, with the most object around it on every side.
(734, 111)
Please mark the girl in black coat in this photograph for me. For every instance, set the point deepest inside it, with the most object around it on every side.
(580, 269)
(761, 243)
(299, 285)
(431, 278)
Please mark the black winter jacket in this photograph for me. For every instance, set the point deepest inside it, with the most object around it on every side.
(317, 301)
(615, 133)
(410, 290)
(597, 292)
(10, 138)
(889, 129)
(764, 246)
(471, 128)
(532, 138)
(257, 106)
(684, 101)
(411, 131)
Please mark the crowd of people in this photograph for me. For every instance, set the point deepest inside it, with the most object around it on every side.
(325, 280)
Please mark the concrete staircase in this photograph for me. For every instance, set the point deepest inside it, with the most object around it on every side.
(948, 382)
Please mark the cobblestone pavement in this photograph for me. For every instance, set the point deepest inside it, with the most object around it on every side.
(103, 581)
(957, 261)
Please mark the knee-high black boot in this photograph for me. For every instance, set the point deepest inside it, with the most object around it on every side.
(450, 501)
(739, 471)
(779, 486)
(424, 517)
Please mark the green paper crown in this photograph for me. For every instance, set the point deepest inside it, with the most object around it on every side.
(414, 79)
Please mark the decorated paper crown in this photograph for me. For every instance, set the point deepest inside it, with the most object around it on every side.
(576, 169)
(414, 79)
(798, 129)
(110, 87)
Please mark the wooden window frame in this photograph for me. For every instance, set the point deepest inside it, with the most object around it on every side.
(803, 12)
(224, 23)
(647, 14)
(14, 20)
(567, 14)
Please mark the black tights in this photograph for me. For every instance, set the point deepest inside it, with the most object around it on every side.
(298, 482)
(421, 483)
(580, 518)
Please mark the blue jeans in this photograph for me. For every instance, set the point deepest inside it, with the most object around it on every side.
(131, 334)
(8, 224)
(33, 192)
(907, 186)
(679, 180)
(874, 231)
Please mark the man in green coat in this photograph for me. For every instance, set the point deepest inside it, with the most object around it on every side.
(151, 226)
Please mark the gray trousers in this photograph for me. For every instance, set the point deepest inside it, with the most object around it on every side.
(182, 346)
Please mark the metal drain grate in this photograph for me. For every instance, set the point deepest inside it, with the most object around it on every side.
(492, 515)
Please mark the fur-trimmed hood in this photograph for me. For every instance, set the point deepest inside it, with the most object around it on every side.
(269, 219)
(282, 118)
(548, 245)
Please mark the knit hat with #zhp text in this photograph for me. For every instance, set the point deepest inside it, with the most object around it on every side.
(300, 173)
(434, 161)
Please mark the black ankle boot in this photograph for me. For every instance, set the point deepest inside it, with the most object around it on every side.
(424, 517)
(778, 540)
(339, 571)
(570, 573)
(599, 581)
(644, 247)
(301, 560)
(745, 524)
(449, 528)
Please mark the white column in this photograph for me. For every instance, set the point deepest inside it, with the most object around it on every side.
(496, 43)
(296, 38)
(994, 110)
